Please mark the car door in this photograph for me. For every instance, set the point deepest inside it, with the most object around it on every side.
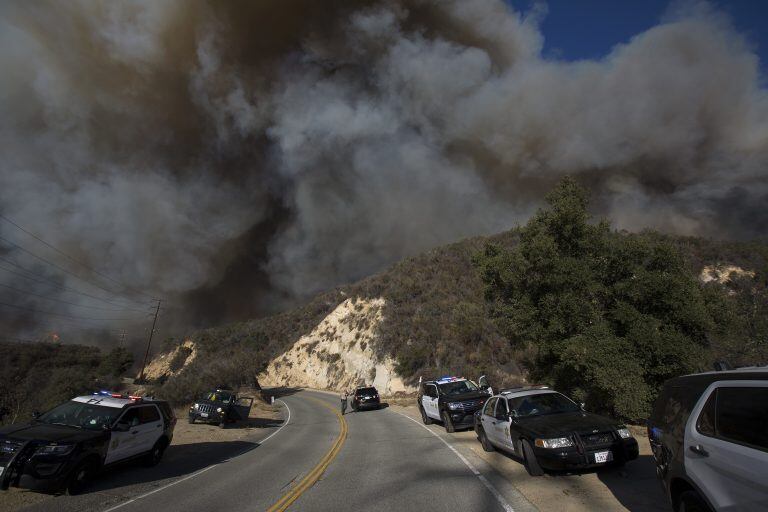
(488, 419)
(726, 445)
(122, 439)
(150, 429)
(502, 425)
(242, 407)
(429, 401)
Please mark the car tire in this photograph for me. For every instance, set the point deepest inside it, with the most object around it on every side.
(424, 418)
(447, 423)
(487, 446)
(81, 477)
(152, 459)
(192, 420)
(690, 501)
(223, 424)
(531, 463)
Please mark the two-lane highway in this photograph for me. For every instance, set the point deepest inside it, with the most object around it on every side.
(315, 461)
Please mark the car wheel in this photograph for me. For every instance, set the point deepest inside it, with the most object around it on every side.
(487, 446)
(690, 501)
(80, 478)
(223, 424)
(531, 464)
(424, 418)
(448, 423)
(152, 459)
(192, 420)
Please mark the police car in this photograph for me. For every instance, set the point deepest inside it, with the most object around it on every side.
(548, 430)
(451, 400)
(65, 447)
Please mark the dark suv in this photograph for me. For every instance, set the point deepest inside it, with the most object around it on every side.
(709, 436)
(366, 398)
(220, 406)
(65, 447)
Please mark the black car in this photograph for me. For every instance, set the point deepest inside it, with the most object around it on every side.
(65, 447)
(365, 398)
(220, 406)
(451, 400)
(709, 437)
(548, 430)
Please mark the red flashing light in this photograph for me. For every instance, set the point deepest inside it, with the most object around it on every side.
(117, 395)
(134, 397)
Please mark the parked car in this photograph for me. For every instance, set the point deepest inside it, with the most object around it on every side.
(452, 400)
(709, 436)
(548, 430)
(366, 398)
(67, 446)
(220, 406)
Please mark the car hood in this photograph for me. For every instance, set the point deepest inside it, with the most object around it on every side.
(469, 395)
(43, 432)
(553, 425)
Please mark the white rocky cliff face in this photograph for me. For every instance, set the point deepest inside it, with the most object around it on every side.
(339, 353)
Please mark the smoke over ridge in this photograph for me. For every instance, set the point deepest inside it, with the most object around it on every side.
(237, 155)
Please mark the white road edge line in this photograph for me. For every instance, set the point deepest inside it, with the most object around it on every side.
(288, 420)
(488, 485)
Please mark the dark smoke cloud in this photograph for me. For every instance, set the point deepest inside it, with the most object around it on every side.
(237, 156)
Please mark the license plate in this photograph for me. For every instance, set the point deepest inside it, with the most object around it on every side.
(204, 414)
(603, 457)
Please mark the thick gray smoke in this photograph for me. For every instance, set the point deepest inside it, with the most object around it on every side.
(237, 155)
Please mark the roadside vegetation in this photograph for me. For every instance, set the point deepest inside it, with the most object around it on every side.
(39, 376)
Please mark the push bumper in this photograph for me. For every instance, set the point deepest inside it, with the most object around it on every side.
(572, 458)
(213, 417)
(463, 419)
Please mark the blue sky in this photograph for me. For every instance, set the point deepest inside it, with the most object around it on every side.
(588, 29)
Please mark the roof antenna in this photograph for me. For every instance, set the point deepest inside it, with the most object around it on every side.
(722, 366)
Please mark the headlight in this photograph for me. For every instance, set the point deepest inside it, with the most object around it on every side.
(455, 406)
(55, 449)
(197, 406)
(557, 442)
(624, 433)
(219, 410)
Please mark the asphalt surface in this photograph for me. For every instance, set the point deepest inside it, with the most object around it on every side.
(381, 460)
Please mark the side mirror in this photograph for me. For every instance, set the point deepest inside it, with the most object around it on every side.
(35, 415)
(583, 406)
(121, 427)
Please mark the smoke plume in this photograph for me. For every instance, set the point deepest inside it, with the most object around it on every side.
(237, 156)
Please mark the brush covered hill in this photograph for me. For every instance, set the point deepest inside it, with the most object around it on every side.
(599, 313)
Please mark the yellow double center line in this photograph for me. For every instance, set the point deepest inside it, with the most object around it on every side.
(314, 475)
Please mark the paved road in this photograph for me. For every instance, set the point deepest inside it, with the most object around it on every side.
(316, 461)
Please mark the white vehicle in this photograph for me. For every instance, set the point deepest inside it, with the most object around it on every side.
(709, 435)
(451, 400)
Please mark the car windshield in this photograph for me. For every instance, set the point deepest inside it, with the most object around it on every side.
(366, 391)
(218, 396)
(81, 415)
(541, 404)
(457, 387)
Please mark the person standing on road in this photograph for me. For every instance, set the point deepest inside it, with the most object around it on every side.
(343, 402)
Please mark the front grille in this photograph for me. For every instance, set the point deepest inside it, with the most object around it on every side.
(598, 439)
(205, 408)
(468, 405)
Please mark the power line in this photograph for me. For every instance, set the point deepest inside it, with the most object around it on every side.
(62, 269)
(48, 282)
(64, 301)
(68, 316)
(91, 269)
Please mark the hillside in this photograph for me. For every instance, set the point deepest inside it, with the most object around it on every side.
(428, 315)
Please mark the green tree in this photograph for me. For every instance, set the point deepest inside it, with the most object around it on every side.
(611, 315)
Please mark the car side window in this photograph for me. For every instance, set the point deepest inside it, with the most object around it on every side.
(501, 409)
(432, 391)
(148, 414)
(705, 423)
(489, 406)
(742, 416)
(131, 417)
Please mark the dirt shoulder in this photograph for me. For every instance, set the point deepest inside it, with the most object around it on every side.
(633, 488)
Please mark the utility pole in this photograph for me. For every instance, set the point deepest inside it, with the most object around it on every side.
(149, 341)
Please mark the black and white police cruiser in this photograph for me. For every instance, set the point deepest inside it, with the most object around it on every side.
(451, 400)
(548, 430)
(65, 447)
